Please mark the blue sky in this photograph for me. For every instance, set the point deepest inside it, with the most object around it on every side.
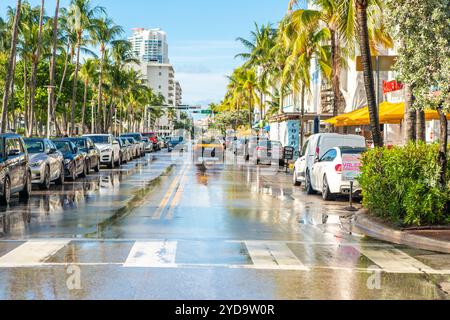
(201, 34)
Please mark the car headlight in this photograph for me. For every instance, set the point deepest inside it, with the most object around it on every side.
(106, 150)
(37, 163)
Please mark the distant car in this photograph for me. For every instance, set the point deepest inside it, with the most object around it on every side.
(250, 147)
(138, 137)
(314, 149)
(268, 151)
(148, 145)
(15, 173)
(154, 140)
(109, 149)
(326, 174)
(92, 152)
(124, 151)
(173, 142)
(74, 159)
(136, 148)
(46, 162)
(239, 146)
(207, 151)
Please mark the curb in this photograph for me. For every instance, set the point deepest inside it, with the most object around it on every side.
(366, 225)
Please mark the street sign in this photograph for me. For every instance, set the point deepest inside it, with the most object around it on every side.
(351, 167)
(206, 112)
(289, 153)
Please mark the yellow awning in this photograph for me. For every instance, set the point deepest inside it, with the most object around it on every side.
(390, 113)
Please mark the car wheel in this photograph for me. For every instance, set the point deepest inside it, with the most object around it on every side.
(308, 185)
(6, 196)
(326, 194)
(25, 194)
(60, 180)
(46, 183)
(295, 181)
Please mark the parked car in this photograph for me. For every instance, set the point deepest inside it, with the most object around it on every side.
(129, 147)
(15, 173)
(326, 174)
(124, 150)
(154, 140)
(109, 149)
(268, 151)
(148, 145)
(239, 146)
(74, 159)
(136, 153)
(315, 148)
(138, 137)
(46, 162)
(251, 146)
(92, 152)
(173, 142)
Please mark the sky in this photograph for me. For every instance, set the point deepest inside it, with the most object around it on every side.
(201, 35)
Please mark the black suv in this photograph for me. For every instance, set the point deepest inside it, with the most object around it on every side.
(15, 174)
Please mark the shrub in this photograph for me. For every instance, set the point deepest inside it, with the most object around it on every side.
(401, 184)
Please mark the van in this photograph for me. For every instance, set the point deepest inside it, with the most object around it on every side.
(315, 148)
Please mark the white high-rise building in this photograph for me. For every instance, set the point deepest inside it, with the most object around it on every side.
(150, 45)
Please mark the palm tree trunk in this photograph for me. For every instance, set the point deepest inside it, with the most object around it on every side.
(410, 115)
(74, 88)
(302, 116)
(10, 71)
(86, 85)
(335, 75)
(281, 109)
(35, 68)
(420, 126)
(443, 147)
(250, 118)
(25, 94)
(366, 58)
(53, 66)
(100, 84)
(66, 64)
(13, 107)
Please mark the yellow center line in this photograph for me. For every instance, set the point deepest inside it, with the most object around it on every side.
(168, 194)
(176, 199)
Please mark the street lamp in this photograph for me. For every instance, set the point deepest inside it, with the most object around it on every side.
(49, 107)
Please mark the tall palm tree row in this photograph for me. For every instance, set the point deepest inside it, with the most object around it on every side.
(53, 83)
(323, 37)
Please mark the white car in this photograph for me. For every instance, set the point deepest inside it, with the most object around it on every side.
(109, 149)
(326, 174)
(315, 148)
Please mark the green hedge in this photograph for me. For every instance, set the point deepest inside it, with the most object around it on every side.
(401, 184)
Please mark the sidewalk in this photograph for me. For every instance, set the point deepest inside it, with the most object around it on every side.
(436, 239)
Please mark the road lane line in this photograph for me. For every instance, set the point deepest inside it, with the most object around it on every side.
(394, 260)
(32, 253)
(163, 204)
(180, 190)
(155, 254)
(276, 256)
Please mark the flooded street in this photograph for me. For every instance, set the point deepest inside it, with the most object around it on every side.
(164, 228)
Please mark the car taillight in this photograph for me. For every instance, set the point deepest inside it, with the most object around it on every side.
(338, 168)
(317, 152)
(260, 148)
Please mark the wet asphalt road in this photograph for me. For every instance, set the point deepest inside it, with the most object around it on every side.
(164, 228)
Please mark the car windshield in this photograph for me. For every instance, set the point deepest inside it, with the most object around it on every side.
(34, 146)
(136, 137)
(131, 140)
(101, 139)
(63, 146)
(80, 143)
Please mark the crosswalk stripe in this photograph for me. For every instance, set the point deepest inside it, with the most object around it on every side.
(154, 254)
(273, 256)
(32, 253)
(394, 260)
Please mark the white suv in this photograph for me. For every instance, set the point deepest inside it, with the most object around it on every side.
(109, 149)
(315, 148)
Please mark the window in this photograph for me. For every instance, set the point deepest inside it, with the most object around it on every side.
(329, 156)
(305, 148)
(13, 144)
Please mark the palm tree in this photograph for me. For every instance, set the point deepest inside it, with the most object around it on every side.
(104, 31)
(53, 68)
(11, 66)
(87, 73)
(80, 18)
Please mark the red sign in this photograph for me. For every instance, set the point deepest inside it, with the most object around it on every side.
(391, 86)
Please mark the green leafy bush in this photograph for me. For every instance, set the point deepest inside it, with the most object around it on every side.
(401, 184)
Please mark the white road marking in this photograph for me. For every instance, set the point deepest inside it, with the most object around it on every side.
(32, 253)
(394, 260)
(276, 256)
(154, 254)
